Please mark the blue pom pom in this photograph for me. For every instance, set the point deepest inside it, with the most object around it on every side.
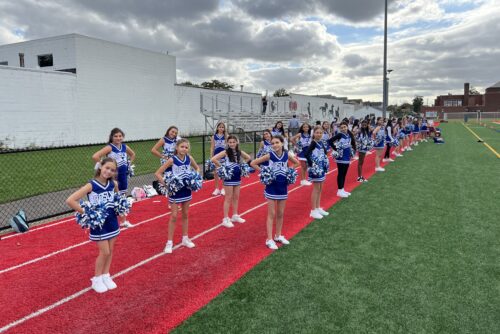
(267, 175)
(291, 175)
(395, 142)
(122, 206)
(173, 183)
(94, 215)
(167, 155)
(225, 172)
(194, 181)
(209, 165)
(131, 169)
(245, 170)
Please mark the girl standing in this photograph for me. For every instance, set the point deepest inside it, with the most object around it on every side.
(217, 145)
(416, 132)
(181, 163)
(389, 139)
(276, 193)
(363, 138)
(317, 152)
(265, 145)
(167, 144)
(326, 134)
(378, 136)
(101, 191)
(345, 145)
(231, 158)
(279, 130)
(124, 156)
(303, 140)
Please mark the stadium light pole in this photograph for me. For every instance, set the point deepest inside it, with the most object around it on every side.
(384, 83)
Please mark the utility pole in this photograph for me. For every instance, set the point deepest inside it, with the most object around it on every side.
(384, 83)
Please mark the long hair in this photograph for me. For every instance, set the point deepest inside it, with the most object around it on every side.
(282, 140)
(233, 155)
(179, 142)
(102, 163)
(317, 127)
(282, 129)
(114, 132)
(301, 129)
(365, 131)
(269, 132)
(217, 128)
(170, 128)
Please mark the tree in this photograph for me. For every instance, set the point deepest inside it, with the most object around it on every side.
(281, 92)
(188, 83)
(216, 84)
(418, 101)
(474, 91)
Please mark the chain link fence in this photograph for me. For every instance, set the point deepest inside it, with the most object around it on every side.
(39, 180)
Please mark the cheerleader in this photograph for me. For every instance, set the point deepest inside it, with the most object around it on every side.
(344, 145)
(217, 145)
(389, 139)
(416, 132)
(378, 137)
(182, 163)
(398, 133)
(302, 140)
(124, 156)
(231, 158)
(167, 145)
(101, 191)
(423, 130)
(276, 193)
(279, 130)
(265, 145)
(326, 134)
(317, 160)
(364, 144)
(408, 130)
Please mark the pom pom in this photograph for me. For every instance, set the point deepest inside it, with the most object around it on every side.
(267, 175)
(94, 215)
(245, 170)
(131, 170)
(209, 165)
(291, 175)
(194, 181)
(173, 183)
(298, 147)
(225, 172)
(379, 138)
(395, 142)
(166, 155)
(335, 154)
(122, 205)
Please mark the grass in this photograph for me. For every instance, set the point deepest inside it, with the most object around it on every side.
(27, 174)
(415, 250)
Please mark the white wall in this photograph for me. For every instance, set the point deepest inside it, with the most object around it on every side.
(36, 107)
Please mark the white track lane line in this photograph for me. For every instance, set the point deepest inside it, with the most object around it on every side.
(38, 259)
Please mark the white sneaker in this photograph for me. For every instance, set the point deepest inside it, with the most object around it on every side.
(222, 192)
(108, 281)
(379, 169)
(390, 160)
(226, 222)
(399, 155)
(416, 144)
(306, 183)
(368, 153)
(409, 149)
(355, 158)
(281, 239)
(127, 224)
(237, 219)
(385, 160)
(341, 193)
(271, 244)
(346, 192)
(168, 247)
(322, 212)
(216, 192)
(315, 214)
(187, 243)
(98, 284)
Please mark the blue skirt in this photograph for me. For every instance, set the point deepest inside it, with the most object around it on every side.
(235, 180)
(183, 195)
(110, 229)
(277, 190)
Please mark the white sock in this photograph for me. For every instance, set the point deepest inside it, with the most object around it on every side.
(170, 242)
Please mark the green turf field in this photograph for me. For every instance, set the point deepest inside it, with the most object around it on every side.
(415, 250)
(26, 174)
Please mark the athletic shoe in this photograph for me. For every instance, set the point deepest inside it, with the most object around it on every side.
(341, 193)
(223, 192)
(346, 192)
(98, 284)
(409, 149)
(315, 214)
(226, 222)
(399, 155)
(364, 180)
(168, 248)
(379, 169)
(390, 160)
(385, 160)
(305, 183)
(282, 240)
(416, 143)
(368, 153)
(216, 192)
(127, 224)
(108, 282)
(271, 244)
(322, 212)
(360, 179)
(237, 219)
(187, 243)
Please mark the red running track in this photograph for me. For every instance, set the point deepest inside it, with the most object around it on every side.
(155, 291)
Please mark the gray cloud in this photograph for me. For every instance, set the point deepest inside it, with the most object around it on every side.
(288, 77)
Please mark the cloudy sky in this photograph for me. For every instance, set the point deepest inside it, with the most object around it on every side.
(310, 47)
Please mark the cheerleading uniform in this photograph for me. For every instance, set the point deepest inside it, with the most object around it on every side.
(219, 143)
(424, 126)
(168, 148)
(278, 189)
(181, 169)
(120, 156)
(317, 151)
(416, 129)
(305, 141)
(104, 195)
(276, 132)
(235, 179)
(363, 140)
(344, 148)
(267, 148)
(380, 139)
(324, 139)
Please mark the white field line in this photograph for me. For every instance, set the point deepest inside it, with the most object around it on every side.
(88, 241)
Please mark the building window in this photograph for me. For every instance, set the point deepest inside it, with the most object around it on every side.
(21, 59)
(453, 103)
(45, 60)
(5, 63)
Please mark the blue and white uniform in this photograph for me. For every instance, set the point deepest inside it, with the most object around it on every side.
(324, 139)
(104, 194)
(424, 126)
(416, 129)
(181, 169)
(363, 141)
(235, 180)
(276, 132)
(120, 156)
(168, 148)
(388, 136)
(304, 142)
(319, 152)
(219, 143)
(278, 189)
(267, 148)
(344, 149)
(380, 139)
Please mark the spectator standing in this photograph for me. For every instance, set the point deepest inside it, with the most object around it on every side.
(293, 126)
